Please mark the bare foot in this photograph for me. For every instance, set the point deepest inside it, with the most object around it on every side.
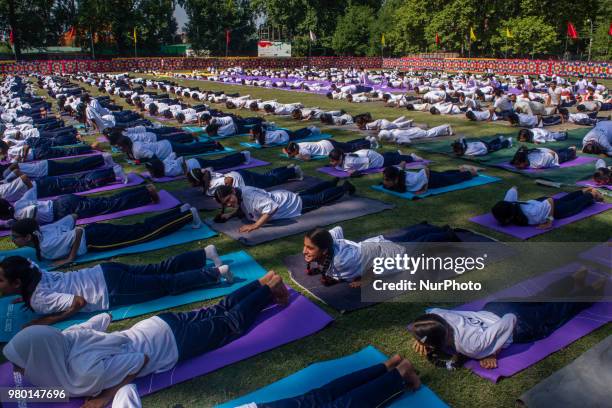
(153, 193)
(279, 290)
(597, 195)
(472, 169)
(406, 370)
(580, 276)
(96, 146)
(393, 362)
(264, 280)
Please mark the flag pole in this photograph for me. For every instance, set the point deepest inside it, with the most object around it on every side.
(91, 35)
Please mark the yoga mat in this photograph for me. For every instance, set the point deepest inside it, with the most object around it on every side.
(518, 357)
(225, 150)
(319, 374)
(334, 172)
(601, 254)
(275, 326)
(591, 183)
(243, 266)
(133, 180)
(251, 164)
(346, 208)
(166, 202)
(578, 161)
(341, 296)
(526, 232)
(476, 181)
(316, 157)
(312, 138)
(194, 129)
(182, 236)
(195, 198)
(585, 382)
(101, 139)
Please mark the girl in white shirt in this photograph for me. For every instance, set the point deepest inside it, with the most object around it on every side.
(540, 136)
(542, 157)
(59, 295)
(85, 361)
(480, 147)
(173, 165)
(419, 181)
(365, 159)
(482, 335)
(281, 136)
(307, 150)
(542, 212)
(144, 151)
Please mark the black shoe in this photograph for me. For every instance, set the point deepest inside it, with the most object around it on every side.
(349, 187)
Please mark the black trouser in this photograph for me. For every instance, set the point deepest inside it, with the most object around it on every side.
(192, 149)
(394, 158)
(447, 178)
(106, 236)
(566, 154)
(299, 134)
(62, 167)
(90, 206)
(46, 152)
(352, 145)
(424, 233)
(319, 195)
(55, 186)
(49, 142)
(572, 204)
(225, 162)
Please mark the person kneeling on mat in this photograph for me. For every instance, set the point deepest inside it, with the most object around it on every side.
(262, 206)
(481, 335)
(59, 295)
(105, 362)
(542, 212)
(418, 182)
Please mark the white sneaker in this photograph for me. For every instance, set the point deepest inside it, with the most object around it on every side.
(247, 155)
(197, 221)
(211, 253)
(450, 131)
(509, 141)
(226, 273)
(600, 164)
(416, 158)
(299, 173)
(119, 173)
(108, 159)
(314, 130)
(374, 142)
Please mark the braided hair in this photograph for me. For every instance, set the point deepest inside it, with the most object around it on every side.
(17, 267)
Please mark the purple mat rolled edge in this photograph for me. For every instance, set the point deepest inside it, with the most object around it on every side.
(166, 202)
(527, 232)
(274, 327)
(521, 356)
(341, 173)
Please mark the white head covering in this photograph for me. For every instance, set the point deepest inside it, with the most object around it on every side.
(75, 360)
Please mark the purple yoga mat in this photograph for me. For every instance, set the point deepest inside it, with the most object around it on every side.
(518, 357)
(60, 158)
(133, 180)
(166, 202)
(578, 161)
(334, 172)
(274, 327)
(591, 183)
(601, 254)
(101, 139)
(252, 163)
(531, 231)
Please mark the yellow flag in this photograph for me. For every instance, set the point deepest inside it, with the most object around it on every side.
(382, 39)
(135, 40)
(508, 33)
(472, 35)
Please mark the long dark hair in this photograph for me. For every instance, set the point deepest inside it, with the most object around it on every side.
(156, 167)
(325, 242)
(525, 135)
(28, 226)
(7, 211)
(433, 331)
(592, 147)
(336, 155)
(521, 156)
(126, 144)
(506, 212)
(398, 175)
(18, 267)
(603, 175)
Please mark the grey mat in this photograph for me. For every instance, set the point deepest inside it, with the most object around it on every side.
(345, 209)
(341, 296)
(584, 383)
(195, 198)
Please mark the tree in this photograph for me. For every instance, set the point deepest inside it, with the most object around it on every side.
(530, 36)
(28, 20)
(156, 23)
(353, 31)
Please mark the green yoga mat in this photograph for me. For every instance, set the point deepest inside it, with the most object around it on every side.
(319, 374)
(243, 266)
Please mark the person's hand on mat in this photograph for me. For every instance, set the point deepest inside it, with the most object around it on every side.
(356, 283)
(546, 225)
(248, 228)
(97, 402)
(419, 348)
(489, 362)
(17, 300)
(304, 157)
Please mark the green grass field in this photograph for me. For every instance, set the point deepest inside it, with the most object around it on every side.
(383, 325)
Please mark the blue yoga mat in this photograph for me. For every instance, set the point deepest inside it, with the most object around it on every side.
(476, 181)
(320, 374)
(243, 266)
(182, 236)
(312, 138)
(315, 157)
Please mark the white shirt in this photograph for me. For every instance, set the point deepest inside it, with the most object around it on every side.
(601, 134)
(502, 103)
(276, 137)
(38, 168)
(478, 334)
(56, 290)
(13, 191)
(529, 121)
(161, 149)
(145, 137)
(416, 180)
(320, 148)
(127, 397)
(281, 204)
(543, 158)
(173, 165)
(362, 160)
(29, 206)
(536, 212)
(476, 149)
(57, 239)
(543, 135)
(218, 179)
(226, 125)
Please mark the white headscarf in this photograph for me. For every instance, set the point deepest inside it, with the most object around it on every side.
(75, 360)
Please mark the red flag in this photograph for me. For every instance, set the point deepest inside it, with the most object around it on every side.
(571, 31)
(437, 39)
(610, 30)
(11, 38)
(227, 37)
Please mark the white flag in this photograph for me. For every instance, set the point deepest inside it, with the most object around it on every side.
(313, 37)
